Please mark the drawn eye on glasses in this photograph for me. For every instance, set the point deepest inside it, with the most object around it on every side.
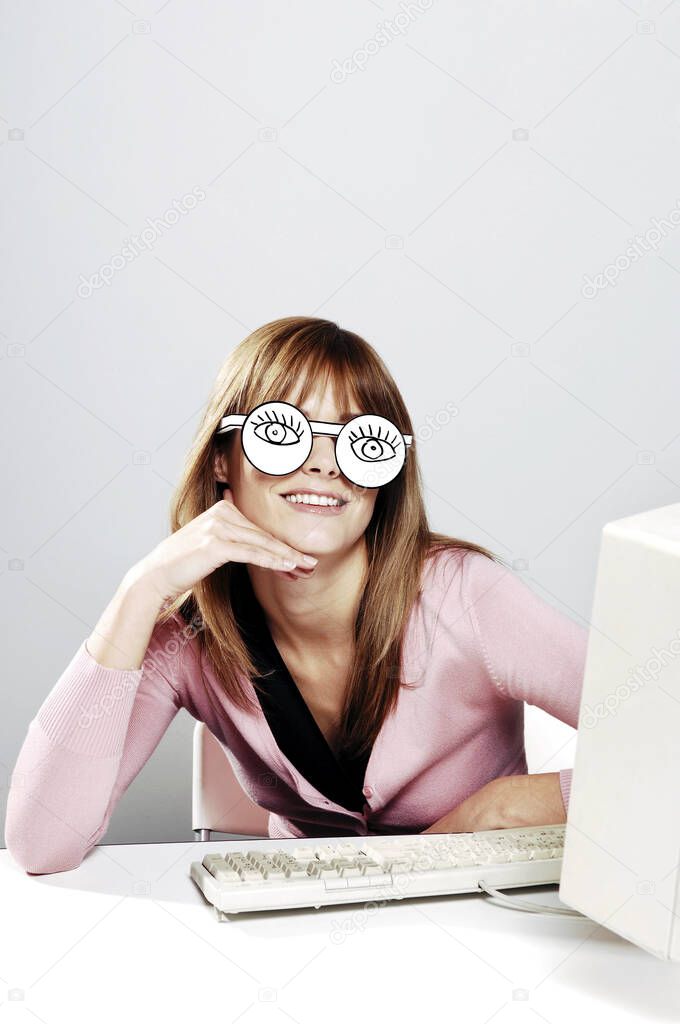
(374, 449)
(277, 431)
(277, 438)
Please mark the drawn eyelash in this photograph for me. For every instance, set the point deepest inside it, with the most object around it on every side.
(273, 417)
(394, 441)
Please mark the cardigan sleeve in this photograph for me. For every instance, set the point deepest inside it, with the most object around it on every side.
(92, 734)
(532, 651)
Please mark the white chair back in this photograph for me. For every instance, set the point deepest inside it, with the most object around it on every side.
(219, 802)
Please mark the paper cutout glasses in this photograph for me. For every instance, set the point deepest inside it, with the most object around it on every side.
(277, 438)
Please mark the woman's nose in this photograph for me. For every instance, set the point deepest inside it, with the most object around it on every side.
(322, 455)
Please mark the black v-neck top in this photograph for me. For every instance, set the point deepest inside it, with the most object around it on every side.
(293, 725)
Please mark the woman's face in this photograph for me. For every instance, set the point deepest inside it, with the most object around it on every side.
(315, 531)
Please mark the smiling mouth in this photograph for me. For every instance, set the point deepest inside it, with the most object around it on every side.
(317, 501)
(314, 508)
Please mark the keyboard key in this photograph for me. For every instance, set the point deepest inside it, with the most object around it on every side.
(335, 883)
(212, 858)
(296, 873)
(303, 853)
(227, 875)
(359, 882)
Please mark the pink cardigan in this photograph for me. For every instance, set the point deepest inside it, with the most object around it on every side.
(479, 642)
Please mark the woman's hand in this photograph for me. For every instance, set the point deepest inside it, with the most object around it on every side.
(509, 801)
(534, 799)
(483, 809)
(219, 535)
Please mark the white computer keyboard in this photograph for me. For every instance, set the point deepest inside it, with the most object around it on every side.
(277, 874)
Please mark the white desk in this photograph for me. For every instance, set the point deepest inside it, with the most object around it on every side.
(128, 934)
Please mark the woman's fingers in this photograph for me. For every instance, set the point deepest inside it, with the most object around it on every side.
(253, 549)
(248, 534)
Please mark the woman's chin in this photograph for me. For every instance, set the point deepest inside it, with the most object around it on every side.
(311, 535)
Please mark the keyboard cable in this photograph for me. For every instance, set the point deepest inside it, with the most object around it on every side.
(516, 903)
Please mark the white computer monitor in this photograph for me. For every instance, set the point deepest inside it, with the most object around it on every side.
(622, 837)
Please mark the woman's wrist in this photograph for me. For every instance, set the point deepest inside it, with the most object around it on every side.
(139, 586)
(122, 634)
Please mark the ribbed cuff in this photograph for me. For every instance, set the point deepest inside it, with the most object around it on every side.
(88, 709)
(565, 786)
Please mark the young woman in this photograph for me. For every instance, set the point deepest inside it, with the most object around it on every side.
(374, 683)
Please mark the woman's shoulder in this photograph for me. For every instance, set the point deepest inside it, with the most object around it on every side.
(443, 591)
(456, 567)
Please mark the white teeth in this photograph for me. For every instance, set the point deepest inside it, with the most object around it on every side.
(311, 499)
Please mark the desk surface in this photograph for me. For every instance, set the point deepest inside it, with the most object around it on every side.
(128, 933)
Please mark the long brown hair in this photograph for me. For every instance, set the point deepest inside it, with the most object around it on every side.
(266, 366)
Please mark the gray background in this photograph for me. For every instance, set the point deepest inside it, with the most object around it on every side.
(444, 199)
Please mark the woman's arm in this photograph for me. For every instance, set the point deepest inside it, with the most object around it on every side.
(91, 736)
(121, 637)
(533, 653)
(508, 802)
(483, 809)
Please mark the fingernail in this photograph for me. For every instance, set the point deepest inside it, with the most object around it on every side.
(309, 559)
